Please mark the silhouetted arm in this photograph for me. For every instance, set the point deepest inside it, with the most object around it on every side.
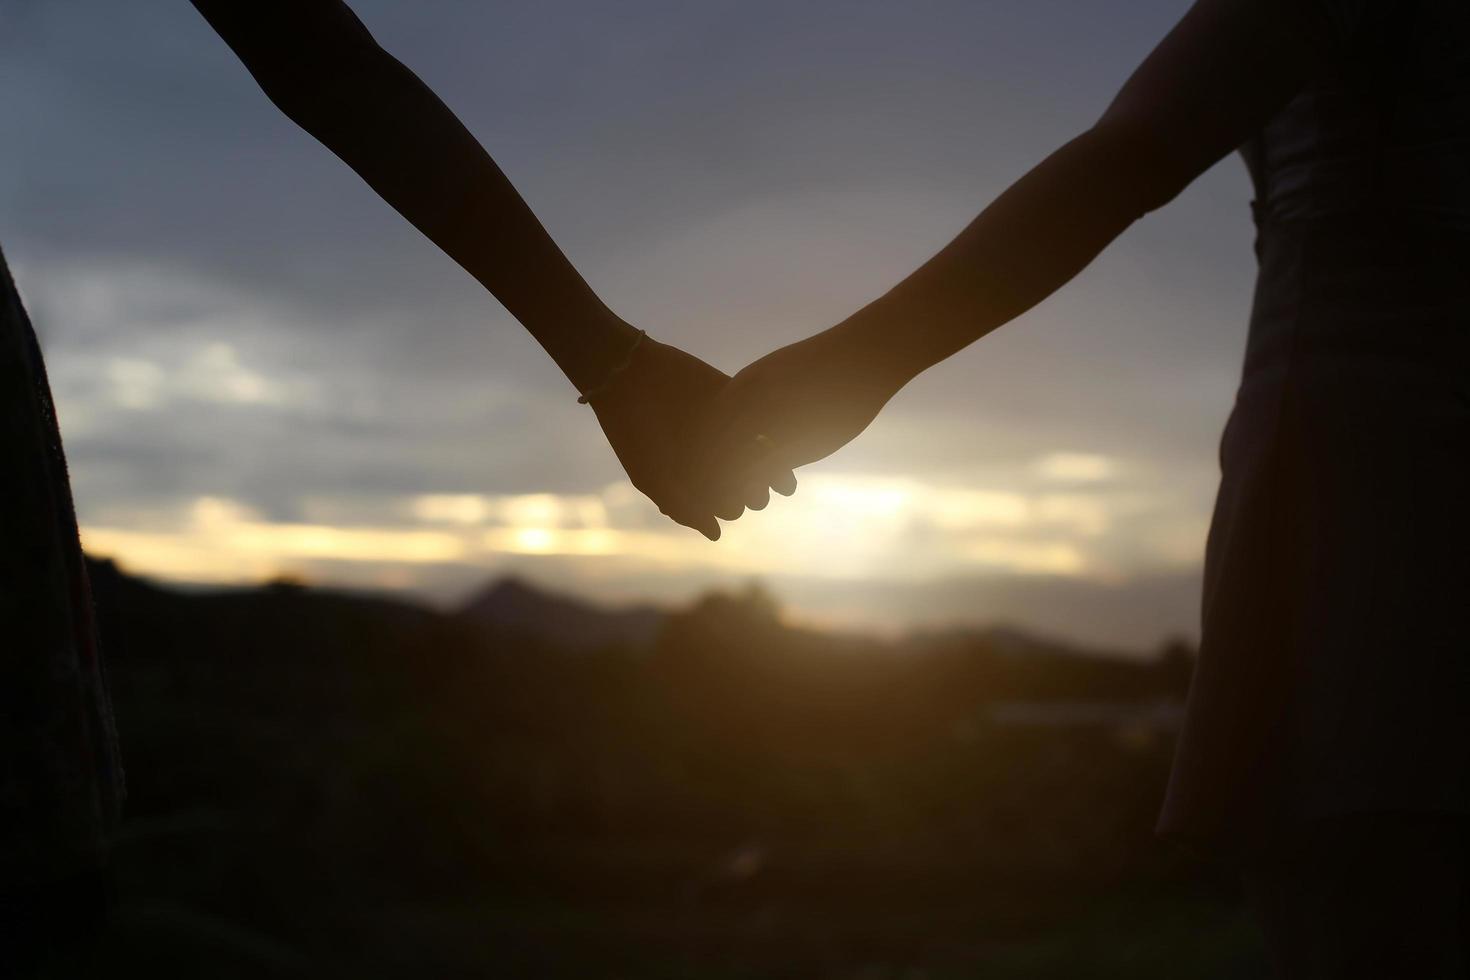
(317, 62)
(1225, 69)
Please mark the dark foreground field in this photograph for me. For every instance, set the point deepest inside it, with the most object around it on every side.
(324, 785)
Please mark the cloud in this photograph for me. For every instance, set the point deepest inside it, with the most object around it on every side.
(853, 529)
(230, 315)
(1075, 467)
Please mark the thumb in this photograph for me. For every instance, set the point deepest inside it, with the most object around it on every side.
(678, 508)
(742, 443)
(737, 414)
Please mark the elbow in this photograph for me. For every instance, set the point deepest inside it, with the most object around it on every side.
(1141, 163)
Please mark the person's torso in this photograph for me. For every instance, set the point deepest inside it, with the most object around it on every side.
(1384, 129)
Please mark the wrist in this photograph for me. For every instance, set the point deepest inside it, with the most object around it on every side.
(881, 358)
(599, 349)
(614, 374)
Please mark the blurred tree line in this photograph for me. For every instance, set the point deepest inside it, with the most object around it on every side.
(324, 775)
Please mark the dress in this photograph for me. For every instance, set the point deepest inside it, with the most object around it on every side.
(60, 783)
(1334, 667)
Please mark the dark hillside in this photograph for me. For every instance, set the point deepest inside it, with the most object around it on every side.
(324, 782)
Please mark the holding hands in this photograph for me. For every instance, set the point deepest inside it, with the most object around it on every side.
(658, 412)
(800, 403)
(703, 445)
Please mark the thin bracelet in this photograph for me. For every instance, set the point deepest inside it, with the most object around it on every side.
(612, 375)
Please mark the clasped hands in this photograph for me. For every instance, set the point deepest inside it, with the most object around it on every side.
(705, 447)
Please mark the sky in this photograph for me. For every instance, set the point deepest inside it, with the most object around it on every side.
(262, 370)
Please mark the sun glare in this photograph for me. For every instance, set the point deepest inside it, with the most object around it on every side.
(838, 526)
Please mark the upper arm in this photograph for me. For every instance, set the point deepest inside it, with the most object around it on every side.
(1224, 70)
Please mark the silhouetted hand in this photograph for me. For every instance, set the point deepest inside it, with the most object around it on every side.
(799, 404)
(655, 415)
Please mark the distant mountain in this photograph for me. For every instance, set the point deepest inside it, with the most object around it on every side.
(515, 606)
(1019, 641)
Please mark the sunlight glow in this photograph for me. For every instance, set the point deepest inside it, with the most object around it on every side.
(958, 509)
(531, 510)
(557, 541)
(838, 527)
(446, 508)
(1075, 467)
(1056, 558)
(532, 540)
(225, 541)
(858, 499)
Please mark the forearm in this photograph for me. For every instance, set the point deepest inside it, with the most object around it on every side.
(385, 124)
(1028, 243)
(1225, 68)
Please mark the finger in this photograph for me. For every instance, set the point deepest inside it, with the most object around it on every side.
(677, 508)
(735, 457)
(746, 481)
(729, 507)
(720, 489)
(705, 524)
(732, 434)
(757, 496)
(740, 475)
(767, 455)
